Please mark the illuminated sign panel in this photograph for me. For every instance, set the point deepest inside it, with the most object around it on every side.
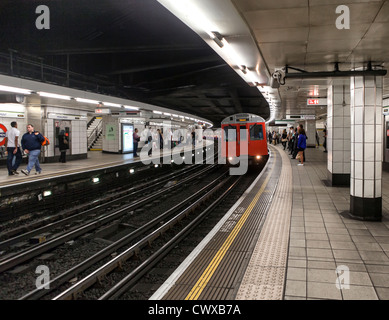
(317, 102)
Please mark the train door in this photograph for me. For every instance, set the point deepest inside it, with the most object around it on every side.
(242, 140)
(230, 135)
(62, 127)
(257, 138)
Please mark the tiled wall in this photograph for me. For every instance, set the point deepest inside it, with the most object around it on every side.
(366, 137)
(338, 126)
(78, 132)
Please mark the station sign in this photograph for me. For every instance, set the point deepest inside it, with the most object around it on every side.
(103, 111)
(386, 111)
(65, 117)
(11, 115)
(3, 132)
(317, 102)
(308, 117)
(126, 114)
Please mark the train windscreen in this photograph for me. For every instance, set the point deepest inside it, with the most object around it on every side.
(230, 133)
(256, 132)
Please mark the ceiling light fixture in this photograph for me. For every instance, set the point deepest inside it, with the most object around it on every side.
(15, 90)
(110, 104)
(54, 96)
(130, 108)
(87, 101)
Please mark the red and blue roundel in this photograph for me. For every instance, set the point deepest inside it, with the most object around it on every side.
(3, 131)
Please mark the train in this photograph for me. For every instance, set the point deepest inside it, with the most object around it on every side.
(241, 128)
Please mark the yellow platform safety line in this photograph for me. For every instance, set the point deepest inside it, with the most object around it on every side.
(208, 273)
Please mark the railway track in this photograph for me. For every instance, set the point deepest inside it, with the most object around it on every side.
(91, 224)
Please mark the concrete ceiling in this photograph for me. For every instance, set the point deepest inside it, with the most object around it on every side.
(303, 34)
(136, 49)
(142, 51)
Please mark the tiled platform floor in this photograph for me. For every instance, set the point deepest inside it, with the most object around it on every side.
(322, 239)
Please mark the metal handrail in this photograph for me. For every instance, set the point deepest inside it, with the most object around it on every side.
(95, 134)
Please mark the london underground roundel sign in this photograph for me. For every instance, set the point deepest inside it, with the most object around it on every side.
(3, 131)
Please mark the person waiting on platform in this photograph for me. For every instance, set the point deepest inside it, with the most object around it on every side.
(12, 148)
(284, 138)
(160, 137)
(301, 145)
(136, 140)
(63, 144)
(31, 144)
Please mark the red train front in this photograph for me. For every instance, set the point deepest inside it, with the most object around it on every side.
(244, 135)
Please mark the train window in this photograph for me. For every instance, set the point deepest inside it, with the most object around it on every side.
(230, 133)
(256, 132)
(243, 133)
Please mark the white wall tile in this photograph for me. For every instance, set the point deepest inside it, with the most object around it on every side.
(370, 96)
(347, 167)
(358, 192)
(369, 133)
(369, 170)
(369, 151)
(378, 170)
(358, 133)
(352, 186)
(378, 188)
(358, 173)
(369, 115)
(369, 189)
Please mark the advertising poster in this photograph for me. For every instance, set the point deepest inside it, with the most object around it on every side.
(127, 134)
(111, 132)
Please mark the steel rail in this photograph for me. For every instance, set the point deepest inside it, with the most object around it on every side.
(102, 254)
(117, 262)
(45, 246)
(134, 191)
(131, 279)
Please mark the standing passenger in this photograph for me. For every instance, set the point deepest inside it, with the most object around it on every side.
(31, 144)
(12, 147)
(63, 146)
(301, 145)
(136, 139)
(284, 138)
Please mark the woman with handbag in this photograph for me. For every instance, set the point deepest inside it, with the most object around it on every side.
(284, 138)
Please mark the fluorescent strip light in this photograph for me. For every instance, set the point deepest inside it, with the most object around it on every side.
(232, 53)
(15, 90)
(110, 104)
(53, 95)
(131, 108)
(87, 101)
(167, 114)
(157, 112)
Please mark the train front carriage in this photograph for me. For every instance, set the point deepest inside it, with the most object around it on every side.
(244, 135)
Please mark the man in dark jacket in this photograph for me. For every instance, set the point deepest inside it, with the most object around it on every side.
(31, 144)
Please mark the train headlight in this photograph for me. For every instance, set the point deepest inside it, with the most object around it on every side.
(258, 157)
(230, 158)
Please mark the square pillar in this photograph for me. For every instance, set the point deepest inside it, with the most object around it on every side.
(338, 134)
(366, 148)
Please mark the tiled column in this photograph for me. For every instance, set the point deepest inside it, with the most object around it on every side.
(366, 148)
(338, 136)
(310, 128)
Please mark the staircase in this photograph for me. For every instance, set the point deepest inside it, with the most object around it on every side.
(98, 144)
(94, 132)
